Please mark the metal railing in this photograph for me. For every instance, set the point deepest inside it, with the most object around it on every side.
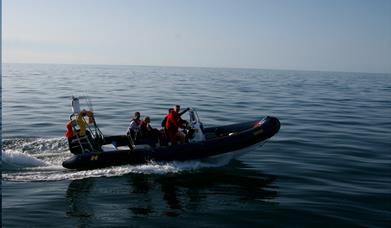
(79, 138)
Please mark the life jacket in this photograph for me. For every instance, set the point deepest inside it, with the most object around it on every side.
(69, 133)
(143, 126)
(172, 121)
(82, 124)
(134, 127)
(138, 122)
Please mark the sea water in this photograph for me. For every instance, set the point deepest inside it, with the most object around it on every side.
(329, 165)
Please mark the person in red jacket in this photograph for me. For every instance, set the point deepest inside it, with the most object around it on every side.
(69, 133)
(173, 123)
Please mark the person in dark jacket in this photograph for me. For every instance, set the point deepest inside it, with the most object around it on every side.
(147, 133)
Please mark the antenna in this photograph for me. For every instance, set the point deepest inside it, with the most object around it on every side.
(88, 102)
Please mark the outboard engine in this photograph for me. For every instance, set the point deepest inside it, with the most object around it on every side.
(197, 126)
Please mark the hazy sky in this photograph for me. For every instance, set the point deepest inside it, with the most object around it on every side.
(335, 35)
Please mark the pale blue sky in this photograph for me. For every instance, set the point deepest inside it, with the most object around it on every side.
(333, 35)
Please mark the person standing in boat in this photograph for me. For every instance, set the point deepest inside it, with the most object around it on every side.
(163, 131)
(165, 118)
(134, 125)
(173, 123)
(82, 122)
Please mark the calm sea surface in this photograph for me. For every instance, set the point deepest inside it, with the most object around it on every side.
(329, 165)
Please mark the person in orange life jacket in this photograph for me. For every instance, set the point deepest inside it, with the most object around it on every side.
(134, 125)
(69, 133)
(148, 133)
(173, 123)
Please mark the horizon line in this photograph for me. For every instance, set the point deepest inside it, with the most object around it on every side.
(210, 67)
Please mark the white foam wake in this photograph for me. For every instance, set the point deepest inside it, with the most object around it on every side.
(36, 145)
(57, 173)
(14, 159)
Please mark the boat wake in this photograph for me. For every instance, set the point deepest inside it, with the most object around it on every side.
(11, 159)
(39, 159)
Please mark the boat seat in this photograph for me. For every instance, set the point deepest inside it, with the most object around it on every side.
(123, 148)
(143, 146)
(108, 148)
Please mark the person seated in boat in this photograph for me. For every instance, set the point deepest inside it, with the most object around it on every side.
(147, 133)
(173, 123)
(134, 125)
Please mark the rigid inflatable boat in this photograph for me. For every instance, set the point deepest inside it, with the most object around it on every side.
(97, 151)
